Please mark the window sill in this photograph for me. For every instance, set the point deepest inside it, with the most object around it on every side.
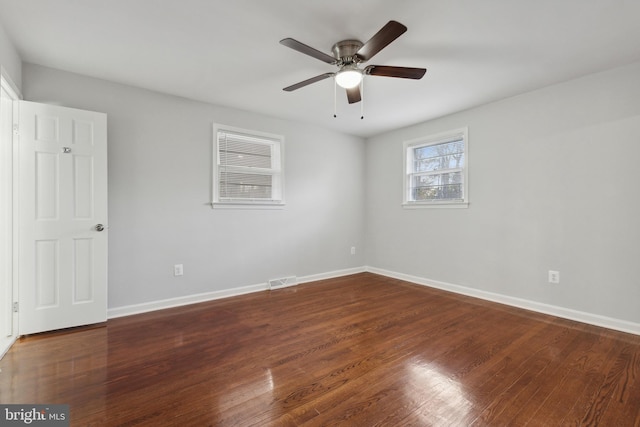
(247, 205)
(436, 205)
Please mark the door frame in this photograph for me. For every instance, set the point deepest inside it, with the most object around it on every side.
(12, 210)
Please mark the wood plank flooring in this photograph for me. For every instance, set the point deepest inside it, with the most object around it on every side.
(361, 350)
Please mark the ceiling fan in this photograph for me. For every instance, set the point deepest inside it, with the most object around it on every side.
(349, 54)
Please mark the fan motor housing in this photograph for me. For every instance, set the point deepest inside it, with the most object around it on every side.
(345, 50)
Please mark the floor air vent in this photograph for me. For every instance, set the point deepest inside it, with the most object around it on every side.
(283, 282)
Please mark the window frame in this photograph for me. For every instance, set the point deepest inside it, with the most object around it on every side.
(408, 153)
(277, 171)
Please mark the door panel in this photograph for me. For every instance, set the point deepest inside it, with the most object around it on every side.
(83, 277)
(47, 197)
(46, 272)
(63, 182)
(83, 187)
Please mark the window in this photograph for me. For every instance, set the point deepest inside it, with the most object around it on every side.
(247, 168)
(436, 170)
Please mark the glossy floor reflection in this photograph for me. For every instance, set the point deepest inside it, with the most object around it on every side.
(361, 350)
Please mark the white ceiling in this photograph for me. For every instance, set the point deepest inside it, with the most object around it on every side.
(227, 52)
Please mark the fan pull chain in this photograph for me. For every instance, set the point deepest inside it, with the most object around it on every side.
(362, 99)
(335, 90)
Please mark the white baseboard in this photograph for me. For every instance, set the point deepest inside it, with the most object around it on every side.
(6, 349)
(146, 307)
(331, 274)
(565, 313)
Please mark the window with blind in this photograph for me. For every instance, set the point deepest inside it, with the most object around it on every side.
(436, 170)
(247, 167)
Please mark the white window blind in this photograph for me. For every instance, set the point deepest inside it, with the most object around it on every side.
(248, 167)
(436, 170)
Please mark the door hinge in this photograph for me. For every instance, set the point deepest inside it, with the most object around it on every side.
(15, 307)
(16, 129)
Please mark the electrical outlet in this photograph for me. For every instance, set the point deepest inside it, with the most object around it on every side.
(178, 270)
(554, 276)
(353, 250)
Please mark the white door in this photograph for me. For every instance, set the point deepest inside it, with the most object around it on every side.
(63, 217)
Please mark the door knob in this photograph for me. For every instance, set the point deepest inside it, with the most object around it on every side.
(100, 227)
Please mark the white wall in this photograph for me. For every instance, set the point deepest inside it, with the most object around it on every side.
(10, 60)
(160, 150)
(554, 185)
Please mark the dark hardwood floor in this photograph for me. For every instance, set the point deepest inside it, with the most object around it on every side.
(362, 350)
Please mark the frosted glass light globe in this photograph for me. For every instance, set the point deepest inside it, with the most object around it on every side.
(348, 78)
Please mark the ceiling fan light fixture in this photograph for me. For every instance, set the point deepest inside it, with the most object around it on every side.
(349, 77)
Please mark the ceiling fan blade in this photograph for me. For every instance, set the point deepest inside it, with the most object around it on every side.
(308, 50)
(391, 31)
(308, 82)
(353, 95)
(402, 72)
